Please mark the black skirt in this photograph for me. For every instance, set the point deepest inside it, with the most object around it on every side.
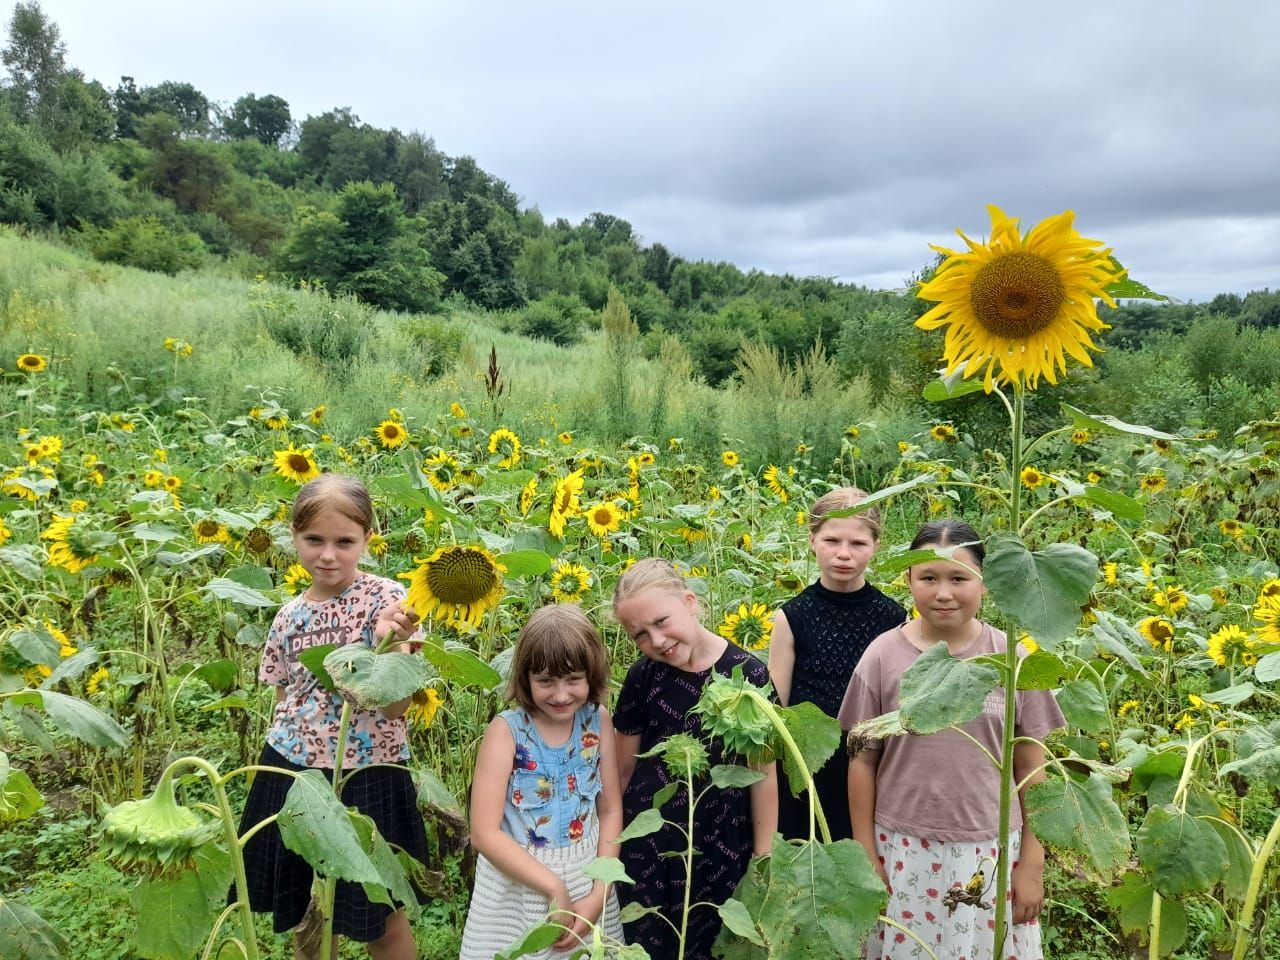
(280, 880)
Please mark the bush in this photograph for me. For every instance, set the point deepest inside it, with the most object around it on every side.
(148, 244)
(436, 344)
(557, 317)
(329, 330)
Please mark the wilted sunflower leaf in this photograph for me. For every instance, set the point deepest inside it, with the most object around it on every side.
(25, 934)
(816, 734)
(1081, 818)
(315, 825)
(1180, 853)
(176, 913)
(371, 680)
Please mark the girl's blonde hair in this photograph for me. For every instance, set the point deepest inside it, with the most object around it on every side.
(558, 640)
(652, 573)
(842, 498)
(332, 491)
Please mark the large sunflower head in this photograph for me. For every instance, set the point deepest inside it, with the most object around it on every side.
(1230, 644)
(456, 583)
(442, 470)
(1016, 306)
(296, 465)
(775, 480)
(1267, 613)
(1158, 632)
(209, 530)
(390, 434)
(32, 363)
(72, 544)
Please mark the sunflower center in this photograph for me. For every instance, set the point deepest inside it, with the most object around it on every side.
(298, 463)
(1017, 295)
(461, 577)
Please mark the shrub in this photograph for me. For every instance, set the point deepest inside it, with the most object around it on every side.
(148, 244)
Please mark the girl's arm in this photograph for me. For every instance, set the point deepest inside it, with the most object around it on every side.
(488, 799)
(764, 810)
(393, 618)
(628, 747)
(609, 812)
(782, 657)
(1028, 874)
(862, 805)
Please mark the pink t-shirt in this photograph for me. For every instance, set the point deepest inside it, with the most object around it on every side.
(305, 727)
(940, 786)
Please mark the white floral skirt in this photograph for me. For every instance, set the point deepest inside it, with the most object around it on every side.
(921, 872)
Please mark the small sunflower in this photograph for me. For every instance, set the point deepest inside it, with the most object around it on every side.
(68, 545)
(1270, 588)
(96, 680)
(570, 582)
(603, 518)
(527, 493)
(1153, 483)
(1230, 644)
(442, 470)
(1172, 599)
(209, 530)
(1158, 632)
(1094, 477)
(457, 410)
(853, 432)
(377, 545)
(773, 479)
(1267, 613)
(423, 708)
(32, 363)
(565, 437)
(1231, 528)
(258, 542)
(646, 459)
(277, 422)
(943, 433)
(296, 579)
(750, 628)
(296, 465)
(316, 414)
(565, 502)
(1080, 437)
(1109, 573)
(506, 446)
(1016, 306)
(1161, 446)
(456, 583)
(1032, 478)
(1128, 707)
(1219, 595)
(152, 479)
(390, 434)
(5, 533)
(173, 483)
(730, 458)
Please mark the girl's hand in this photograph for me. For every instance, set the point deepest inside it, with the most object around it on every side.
(880, 872)
(1028, 891)
(394, 619)
(588, 909)
(561, 911)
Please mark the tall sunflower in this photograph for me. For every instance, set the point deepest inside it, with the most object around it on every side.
(390, 434)
(565, 502)
(1016, 306)
(569, 582)
(456, 583)
(296, 465)
(750, 628)
(603, 518)
(505, 445)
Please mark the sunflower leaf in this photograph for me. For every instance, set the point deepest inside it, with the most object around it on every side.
(372, 680)
(525, 563)
(947, 388)
(1129, 289)
(1105, 424)
(1042, 590)
(24, 933)
(940, 690)
(924, 479)
(1132, 901)
(459, 665)
(1083, 818)
(1180, 853)
(226, 589)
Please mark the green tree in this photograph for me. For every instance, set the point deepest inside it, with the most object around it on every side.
(475, 244)
(368, 248)
(265, 119)
(191, 173)
(35, 58)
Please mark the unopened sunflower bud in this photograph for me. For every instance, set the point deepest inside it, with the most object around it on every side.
(156, 834)
(738, 712)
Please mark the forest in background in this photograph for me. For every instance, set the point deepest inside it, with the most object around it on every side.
(163, 178)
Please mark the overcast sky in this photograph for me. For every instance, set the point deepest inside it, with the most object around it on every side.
(817, 138)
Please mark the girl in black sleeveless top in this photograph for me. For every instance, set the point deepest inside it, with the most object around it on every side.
(818, 638)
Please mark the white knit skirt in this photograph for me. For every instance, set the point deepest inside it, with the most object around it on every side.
(503, 911)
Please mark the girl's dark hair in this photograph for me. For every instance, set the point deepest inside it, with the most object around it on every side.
(333, 491)
(950, 533)
(558, 640)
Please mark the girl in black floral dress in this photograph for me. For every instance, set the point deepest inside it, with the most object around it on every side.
(658, 611)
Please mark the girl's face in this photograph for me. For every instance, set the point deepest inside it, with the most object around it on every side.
(664, 625)
(947, 594)
(844, 546)
(330, 548)
(558, 698)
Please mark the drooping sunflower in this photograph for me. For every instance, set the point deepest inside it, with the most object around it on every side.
(456, 583)
(1161, 445)
(1080, 437)
(1270, 588)
(730, 458)
(646, 458)
(943, 433)
(1152, 483)
(32, 363)
(258, 542)
(565, 437)
(1231, 644)
(1016, 306)
(565, 502)
(1158, 632)
(209, 530)
(457, 410)
(570, 582)
(750, 628)
(1231, 528)
(68, 546)
(296, 579)
(527, 493)
(506, 445)
(422, 711)
(603, 518)
(773, 479)
(5, 533)
(378, 545)
(1172, 599)
(390, 434)
(296, 465)
(1109, 573)
(441, 469)
(316, 414)
(96, 680)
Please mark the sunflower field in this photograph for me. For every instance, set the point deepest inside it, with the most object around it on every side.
(144, 547)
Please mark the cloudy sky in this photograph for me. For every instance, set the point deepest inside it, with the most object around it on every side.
(817, 138)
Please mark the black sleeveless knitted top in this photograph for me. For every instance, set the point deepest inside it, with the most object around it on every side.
(832, 630)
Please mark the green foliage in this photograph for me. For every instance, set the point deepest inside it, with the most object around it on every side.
(622, 349)
(1081, 821)
(370, 680)
(40, 187)
(939, 690)
(265, 119)
(1040, 590)
(148, 244)
(559, 318)
(25, 935)
(176, 914)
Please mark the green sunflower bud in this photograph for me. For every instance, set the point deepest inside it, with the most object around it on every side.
(739, 713)
(683, 755)
(156, 834)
